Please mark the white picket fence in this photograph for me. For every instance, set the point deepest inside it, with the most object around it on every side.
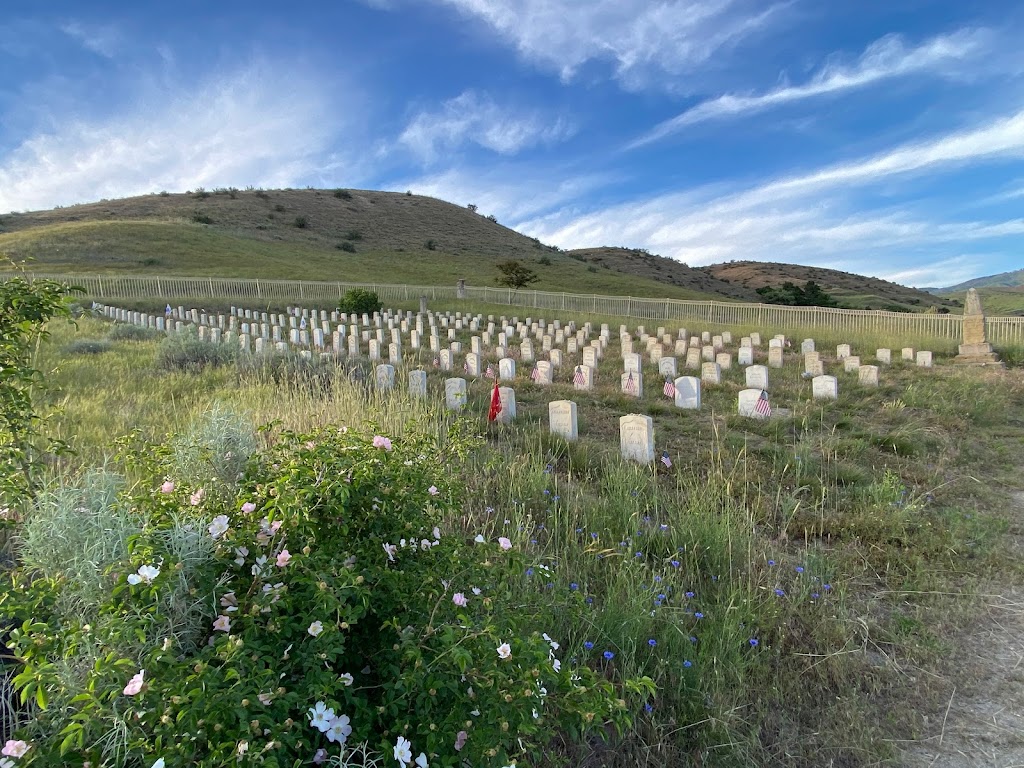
(1000, 330)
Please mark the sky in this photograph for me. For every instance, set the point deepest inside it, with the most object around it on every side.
(882, 137)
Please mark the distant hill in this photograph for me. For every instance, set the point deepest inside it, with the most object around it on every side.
(1002, 280)
(388, 237)
(851, 290)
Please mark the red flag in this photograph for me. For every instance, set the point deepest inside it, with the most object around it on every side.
(492, 414)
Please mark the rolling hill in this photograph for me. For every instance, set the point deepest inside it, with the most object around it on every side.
(388, 237)
(1002, 280)
(849, 289)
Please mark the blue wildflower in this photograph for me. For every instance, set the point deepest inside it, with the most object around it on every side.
(698, 615)
(652, 642)
(753, 642)
(780, 592)
(687, 663)
(574, 586)
(588, 645)
(609, 655)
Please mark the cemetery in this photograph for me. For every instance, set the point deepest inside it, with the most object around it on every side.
(730, 539)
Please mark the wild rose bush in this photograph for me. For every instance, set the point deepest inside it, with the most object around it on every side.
(324, 612)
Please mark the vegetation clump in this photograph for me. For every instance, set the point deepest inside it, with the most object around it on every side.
(515, 274)
(359, 301)
(790, 294)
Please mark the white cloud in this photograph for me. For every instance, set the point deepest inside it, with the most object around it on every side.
(884, 59)
(101, 39)
(942, 273)
(639, 37)
(509, 193)
(260, 125)
(809, 218)
(475, 118)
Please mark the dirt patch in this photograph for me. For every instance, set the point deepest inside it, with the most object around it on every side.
(983, 724)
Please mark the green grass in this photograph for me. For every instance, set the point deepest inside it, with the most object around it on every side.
(875, 494)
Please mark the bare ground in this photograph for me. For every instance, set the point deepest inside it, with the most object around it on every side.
(983, 723)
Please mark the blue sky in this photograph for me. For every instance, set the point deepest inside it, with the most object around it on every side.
(885, 138)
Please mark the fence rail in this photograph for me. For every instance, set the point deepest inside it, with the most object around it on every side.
(1000, 330)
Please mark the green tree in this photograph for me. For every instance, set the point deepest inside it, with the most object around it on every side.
(360, 301)
(25, 307)
(515, 274)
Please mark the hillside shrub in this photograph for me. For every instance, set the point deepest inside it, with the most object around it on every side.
(342, 194)
(545, 261)
(126, 332)
(201, 193)
(301, 222)
(360, 301)
(316, 611)
(279, 208)
(430, 245)
(353, 234)
(201, 218)
(347, 247)
(185, 351)
(88, 347)
(25, 308)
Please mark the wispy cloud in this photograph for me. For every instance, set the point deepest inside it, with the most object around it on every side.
(101, 39)
(642, 40)
(511, 193)
(814, 217)
(236, 129)
(884, 59)
(475, 118)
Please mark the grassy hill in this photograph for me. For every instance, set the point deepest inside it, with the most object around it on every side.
(389, 237)
(855, 291)
(1002, 280)
(349, 235)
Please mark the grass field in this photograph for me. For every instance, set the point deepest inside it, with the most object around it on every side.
(876, 495)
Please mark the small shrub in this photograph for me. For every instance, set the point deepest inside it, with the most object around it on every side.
(343, 194)
(492, 218)
(408, 193)
(279, 208)
(185, 351)
(544, 260)
(430, 245)
(591, 268)
(201, 193)
(301, 222)
(87, 347)
(164, 193)
(261, 194)
(215, 450)
(472, 207)
(124, 332)
(360, 301)
(233, 193)
(201, 218)
(347, 247)
(353, 234)
(150, 262)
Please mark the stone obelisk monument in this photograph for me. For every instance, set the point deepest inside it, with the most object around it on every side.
(975, 350)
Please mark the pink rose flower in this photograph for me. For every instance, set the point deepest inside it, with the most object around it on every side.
(459, 599)
(283, 558)
(432, 490)
(505, 543)
(381, 442)
(196, 498)
(15, 748)
(460, 740)
(134, 685)
(248, 507)
(222, 624)
(167, 487)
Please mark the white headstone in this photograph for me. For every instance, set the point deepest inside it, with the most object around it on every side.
(884, 356)
(688, 392)
(775, 357)
(824, 388)
(631, 362)
(632, 384)
(385, 377)
(851, 363)
(924, 359)
(842, 351)
(543, 373)
(757, 377)
(418, 383)
(807, 345)
(711, 373)
(507, 397)
(745, 356)
(747, 405)
(473, 365)
(724, 360)
(667, 367)
(867, 375)
(454, 394)
(583, 378)
(506, 369)
(907, 354)
(562, 419)
(636, 438)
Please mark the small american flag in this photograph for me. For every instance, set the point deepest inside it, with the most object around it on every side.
(665, 459)
(437, 362)
(630, 384)
(579, 378)
(535, 373)
(670, 388)
(465, 366)
(762, 406)
(489, 373)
